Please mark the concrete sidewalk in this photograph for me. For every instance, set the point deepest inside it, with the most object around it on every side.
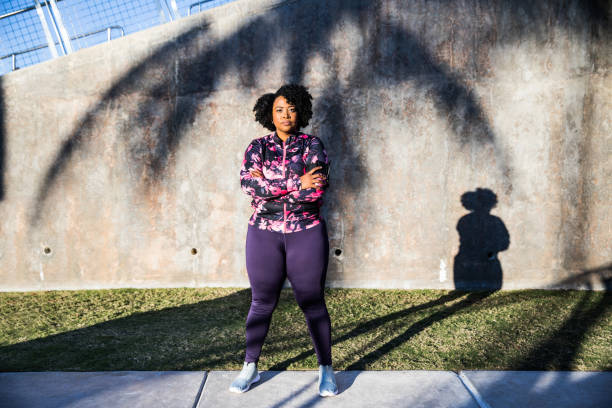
(190, 389)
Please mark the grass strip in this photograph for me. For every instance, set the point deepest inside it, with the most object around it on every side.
(203, 329)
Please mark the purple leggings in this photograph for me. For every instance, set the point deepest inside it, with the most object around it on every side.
(301, 257)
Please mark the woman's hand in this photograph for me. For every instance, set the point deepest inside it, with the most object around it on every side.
(310, 180)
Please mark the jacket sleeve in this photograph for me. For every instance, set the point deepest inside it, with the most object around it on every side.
(317, 156)
(261, 187)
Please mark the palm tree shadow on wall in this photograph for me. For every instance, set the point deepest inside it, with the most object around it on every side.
(201, 67)
(481, 237)
(392, 53)
(172, 102)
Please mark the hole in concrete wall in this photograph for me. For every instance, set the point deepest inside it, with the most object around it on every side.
(337, 252)
(194, 251)
(47, 250)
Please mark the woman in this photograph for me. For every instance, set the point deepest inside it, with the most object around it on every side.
(285, 174)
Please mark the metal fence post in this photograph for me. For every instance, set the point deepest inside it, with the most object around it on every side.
(48, 36)
(60, 25)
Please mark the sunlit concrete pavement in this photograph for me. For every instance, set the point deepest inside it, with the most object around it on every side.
(190, 389)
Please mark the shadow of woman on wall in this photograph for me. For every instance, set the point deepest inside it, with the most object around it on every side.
(481, 237)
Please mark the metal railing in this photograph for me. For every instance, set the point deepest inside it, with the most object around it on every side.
(23, 10)
(198, 5)
(39, 47)
(27, 23)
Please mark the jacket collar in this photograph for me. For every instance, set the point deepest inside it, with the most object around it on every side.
(279, 141)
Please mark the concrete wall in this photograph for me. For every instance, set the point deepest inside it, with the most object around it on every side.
(120, 163)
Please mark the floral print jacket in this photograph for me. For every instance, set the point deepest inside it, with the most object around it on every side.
(280, 203)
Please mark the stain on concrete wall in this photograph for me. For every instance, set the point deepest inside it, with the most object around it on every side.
(127, 173)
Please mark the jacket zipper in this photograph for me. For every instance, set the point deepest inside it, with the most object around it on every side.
(284, 204)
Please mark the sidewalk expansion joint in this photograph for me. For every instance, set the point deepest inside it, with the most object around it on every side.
(199, 395)
(472, 390)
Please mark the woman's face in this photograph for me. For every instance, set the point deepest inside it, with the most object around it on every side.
(284, 115)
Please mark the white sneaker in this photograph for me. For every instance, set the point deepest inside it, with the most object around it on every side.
(327, 381)
(247, 376)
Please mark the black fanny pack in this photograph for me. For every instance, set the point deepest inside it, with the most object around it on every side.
(274, 210)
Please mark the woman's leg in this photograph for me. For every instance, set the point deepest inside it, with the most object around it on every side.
(307, 258)
(265, 262)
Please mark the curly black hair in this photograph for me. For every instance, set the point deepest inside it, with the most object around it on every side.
(296, 95)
